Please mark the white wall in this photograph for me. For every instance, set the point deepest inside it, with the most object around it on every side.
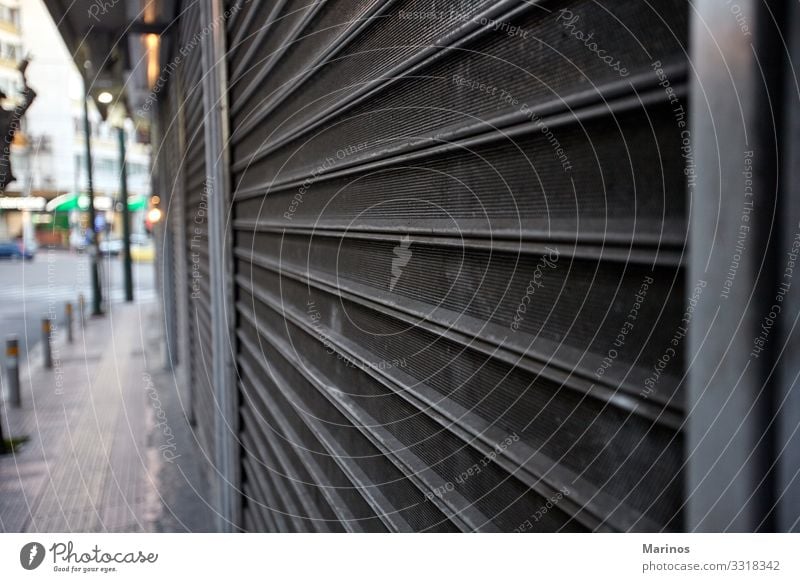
(52, 74)
(57, 111)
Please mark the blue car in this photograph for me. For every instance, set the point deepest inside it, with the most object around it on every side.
(11, 250)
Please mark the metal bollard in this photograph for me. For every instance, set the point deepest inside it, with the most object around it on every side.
(2, 436)
(82, 309)
(12, 370)
(68, 323)
(48, 351)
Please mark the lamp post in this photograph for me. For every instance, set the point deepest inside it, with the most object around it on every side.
(126, 217)
(97, 293)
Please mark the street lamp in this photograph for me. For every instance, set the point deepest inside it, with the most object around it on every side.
(126, 214)
(154, 215)
(97, 292)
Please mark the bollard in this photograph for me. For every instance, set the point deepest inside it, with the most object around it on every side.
(48, 351)
(68, 323)
(82, 309)
(12, 370)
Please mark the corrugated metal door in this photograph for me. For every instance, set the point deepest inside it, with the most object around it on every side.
(459, 230)
(169, 153)
(187, 57)
(168, 187)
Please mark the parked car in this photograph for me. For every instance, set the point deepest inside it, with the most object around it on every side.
(111, 246)
(142, 249)
(10, 249)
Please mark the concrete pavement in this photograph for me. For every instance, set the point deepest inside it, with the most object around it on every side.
(109, 448)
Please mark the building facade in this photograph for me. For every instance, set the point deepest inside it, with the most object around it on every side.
(49, 155)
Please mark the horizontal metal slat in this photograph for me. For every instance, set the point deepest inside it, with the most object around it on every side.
(575, 363)
(321, 30)
(284, 466)
(289, 316)
(262, 497)
(462, 513)
(334, 494)
(400, 50)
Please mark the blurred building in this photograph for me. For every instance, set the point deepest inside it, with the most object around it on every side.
(49, 152)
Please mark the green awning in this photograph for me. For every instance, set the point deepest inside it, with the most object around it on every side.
(137, 202)
(74, 201)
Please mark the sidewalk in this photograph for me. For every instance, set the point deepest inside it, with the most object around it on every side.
(109, 448)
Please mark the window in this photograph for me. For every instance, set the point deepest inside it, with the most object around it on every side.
(10, 51)
(10, 15)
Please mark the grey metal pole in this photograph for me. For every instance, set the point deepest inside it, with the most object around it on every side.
(126, 218)
(729, 467)
(82, 309)
(68, 314)
(97, 292)
(46, 335)
(12, 370)
(2, 436)
(220, 260)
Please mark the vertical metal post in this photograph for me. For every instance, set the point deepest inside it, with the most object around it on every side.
(68, 318)
(732, 141)
(126, 217)
(788, 374)
(12, 371)
(47, 348)
(97, 293)
(181, 233)
(215, 107)
(82, 309)
(2, 435)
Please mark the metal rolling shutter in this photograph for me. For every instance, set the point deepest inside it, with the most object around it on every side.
(388, 221)
(171, 259)
(169, 152)
(193, 174)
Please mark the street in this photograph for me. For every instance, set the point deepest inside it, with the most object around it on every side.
(108, 448)
(31, 290)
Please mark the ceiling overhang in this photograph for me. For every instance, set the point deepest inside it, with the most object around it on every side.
(117, 46)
